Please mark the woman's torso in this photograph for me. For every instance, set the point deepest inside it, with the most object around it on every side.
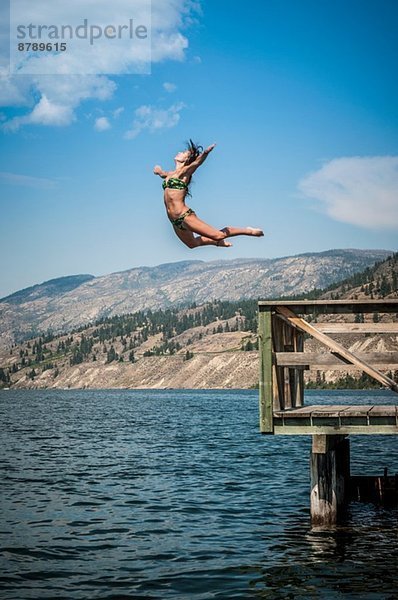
(174, 199)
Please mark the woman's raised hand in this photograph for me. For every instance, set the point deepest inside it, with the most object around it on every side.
(210, 148)
(157, 169)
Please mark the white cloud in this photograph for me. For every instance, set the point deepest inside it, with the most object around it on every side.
(53, 99)
(72, 89)
(153, 119)
(102, 124)
(14, 91)
(169, 87)
(59, 97)
(26, 180)
(169, 45)
(44, 113)
(358, 190)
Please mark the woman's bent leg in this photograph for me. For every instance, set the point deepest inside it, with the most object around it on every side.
(196, 225)
(192, 241)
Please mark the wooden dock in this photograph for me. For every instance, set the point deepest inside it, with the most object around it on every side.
(282, 328)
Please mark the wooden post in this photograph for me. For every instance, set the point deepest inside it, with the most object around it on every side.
(278, 372)
(266, 385)
(299, 373)
(343, 473)
(290, 383)
(329, 478)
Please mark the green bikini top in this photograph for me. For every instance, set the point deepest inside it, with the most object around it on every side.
(175, 184)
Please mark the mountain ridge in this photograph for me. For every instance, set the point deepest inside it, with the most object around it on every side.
(68, 283)
(83, 278)
(82, 299)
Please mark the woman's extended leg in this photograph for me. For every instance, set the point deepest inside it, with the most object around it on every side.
(232, 231)
(196, 225)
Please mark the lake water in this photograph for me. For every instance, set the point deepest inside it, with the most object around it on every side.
(175, 494)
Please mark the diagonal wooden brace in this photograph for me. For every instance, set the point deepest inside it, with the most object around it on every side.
(301, 324)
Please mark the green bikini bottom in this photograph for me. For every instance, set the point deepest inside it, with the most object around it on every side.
(179, 221)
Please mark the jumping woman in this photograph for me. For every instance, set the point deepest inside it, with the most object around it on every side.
(184, 219)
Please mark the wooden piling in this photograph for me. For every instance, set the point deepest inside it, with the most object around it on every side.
(330, 473)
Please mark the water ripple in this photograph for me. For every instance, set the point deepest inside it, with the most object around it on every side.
(163, 494)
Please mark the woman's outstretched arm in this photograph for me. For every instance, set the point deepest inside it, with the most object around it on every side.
(157, 170)
(189, 169)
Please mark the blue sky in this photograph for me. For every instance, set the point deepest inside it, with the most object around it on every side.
(300, 97)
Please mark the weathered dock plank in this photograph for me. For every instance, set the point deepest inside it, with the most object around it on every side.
(337, 419)
(388, 360)
(307, 307)
(357, 327)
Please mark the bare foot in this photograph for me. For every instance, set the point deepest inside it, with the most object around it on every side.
(224, 244)
(255, 232)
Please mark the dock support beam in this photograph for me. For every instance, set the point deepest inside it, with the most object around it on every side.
(266, 380)
(330, 476)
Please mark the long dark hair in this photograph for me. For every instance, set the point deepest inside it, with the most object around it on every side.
(194, 151)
